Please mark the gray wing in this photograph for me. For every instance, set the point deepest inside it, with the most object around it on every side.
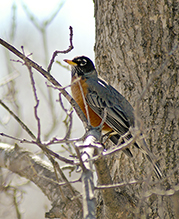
(101, 96)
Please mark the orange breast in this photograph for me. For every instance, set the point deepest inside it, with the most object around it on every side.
(95, 120)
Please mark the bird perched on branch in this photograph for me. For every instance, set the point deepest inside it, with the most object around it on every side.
(96, 94)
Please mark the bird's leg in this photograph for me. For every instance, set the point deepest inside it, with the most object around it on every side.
(107, 136)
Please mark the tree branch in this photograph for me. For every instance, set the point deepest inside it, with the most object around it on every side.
(49, 77)
(18, 120)
(64, 51)
(35, 169)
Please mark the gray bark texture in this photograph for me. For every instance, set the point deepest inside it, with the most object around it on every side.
(133, 39)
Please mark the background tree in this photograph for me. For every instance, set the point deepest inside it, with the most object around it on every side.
(133, 38)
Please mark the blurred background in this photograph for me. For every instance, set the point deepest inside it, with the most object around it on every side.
(41, 27)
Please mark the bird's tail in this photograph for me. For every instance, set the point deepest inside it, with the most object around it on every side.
(157, 170)
(152, 159)
(145, 150)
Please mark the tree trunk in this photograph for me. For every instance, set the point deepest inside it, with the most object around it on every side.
(133, 39)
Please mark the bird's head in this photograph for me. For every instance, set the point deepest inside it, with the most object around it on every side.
(82, 66)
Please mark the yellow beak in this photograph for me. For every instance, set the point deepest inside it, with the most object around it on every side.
(70, 62)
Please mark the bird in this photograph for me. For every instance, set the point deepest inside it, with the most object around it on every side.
(100, 96)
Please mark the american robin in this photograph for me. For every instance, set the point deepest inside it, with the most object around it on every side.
(100, 95)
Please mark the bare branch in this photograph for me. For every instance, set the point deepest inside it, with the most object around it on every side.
(37, 102)
(93, 136)
(48, 77)
(69, 114)
(64, 51)
(117, 185)
(63, 88)
(104, 119)
(79, 157)
(35, 169)
(48, 151)
(84, 101)
(71, 189)
(43, 147)
(16, 139)
(18, 120)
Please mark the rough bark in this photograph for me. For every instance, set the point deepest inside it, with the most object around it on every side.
(133, 39)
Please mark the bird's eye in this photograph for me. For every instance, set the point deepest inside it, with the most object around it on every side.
(83, 62)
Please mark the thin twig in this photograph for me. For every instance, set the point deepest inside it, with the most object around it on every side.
(55, 166)
(16, 204)
(37, 102)
(66, 181)
(57, 141)
(64, 51)
(117, 185)
(47, 150)
(15, 138)
(59, 183)
(18, 120)
(103, 119)
(79, 157)
(69, 114)
(63, 88)
(84, 102)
